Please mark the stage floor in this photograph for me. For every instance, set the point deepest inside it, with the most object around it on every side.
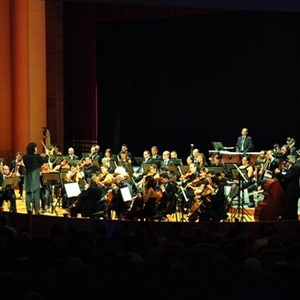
(246, 214)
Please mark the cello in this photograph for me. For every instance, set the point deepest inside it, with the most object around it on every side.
(201, 203)
(271, 207)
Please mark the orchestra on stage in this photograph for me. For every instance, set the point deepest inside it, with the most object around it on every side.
(152, 186)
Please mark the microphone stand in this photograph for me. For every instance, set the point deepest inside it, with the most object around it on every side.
(240, 209)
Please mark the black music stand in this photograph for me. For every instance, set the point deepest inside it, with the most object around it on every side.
(218, 146)
(52, 179)
(183, 219)
(156, 162)
(176, 161)
(172, 169)
(11, 182)
(183, 169)
(146, 168)
(85, 154)
(228, 168)
(239, 212)
(96, 164)
(74, 161)
(138, 160)
(217, 170)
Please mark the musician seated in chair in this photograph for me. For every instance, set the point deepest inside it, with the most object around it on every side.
(242, 184)
(167, 202)
(149, 199)
(256, 182)
(17, 167)
(87, 201)
(198, 183)
(216, 210)
(8, 193)
(117, 203)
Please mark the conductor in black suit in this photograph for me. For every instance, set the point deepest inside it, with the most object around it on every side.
(33, 162)
(244, 142)
(289, 179)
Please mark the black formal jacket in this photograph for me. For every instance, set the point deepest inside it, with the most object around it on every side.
(33, 163)
(248, 144)
(169, 192)
(290, 182)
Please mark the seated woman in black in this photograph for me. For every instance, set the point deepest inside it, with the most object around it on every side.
(149, 199)
(243, 183)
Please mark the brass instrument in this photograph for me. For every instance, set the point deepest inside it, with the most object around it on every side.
(265, 166)
(47, 138)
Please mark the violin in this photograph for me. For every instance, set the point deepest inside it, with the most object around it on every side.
(20, 163)
(195, 181)
(102, 176)
(150, 173)
(186, 175)
(46, 168)
(64, 165)
(101, 180)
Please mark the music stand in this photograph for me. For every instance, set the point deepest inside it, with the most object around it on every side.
(62, 176)
(172, 169)
(146, 168)
(228, 168)
(156, 162)
(240, 175)
(218, 146)
(183, 169)
(74, 161)
(11, 182)
(51, 179)
(85, 154)
(96, 164)
(64, 170)
(138, 160)
(217, 170)
(176, 161)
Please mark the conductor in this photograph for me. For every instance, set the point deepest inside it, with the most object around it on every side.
(33, 162)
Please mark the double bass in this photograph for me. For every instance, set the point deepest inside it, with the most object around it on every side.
(271, 207)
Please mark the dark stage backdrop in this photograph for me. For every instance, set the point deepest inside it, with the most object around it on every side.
(175, 81)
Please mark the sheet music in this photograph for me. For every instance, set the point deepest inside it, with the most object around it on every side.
(126, 193)
(72, 189)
